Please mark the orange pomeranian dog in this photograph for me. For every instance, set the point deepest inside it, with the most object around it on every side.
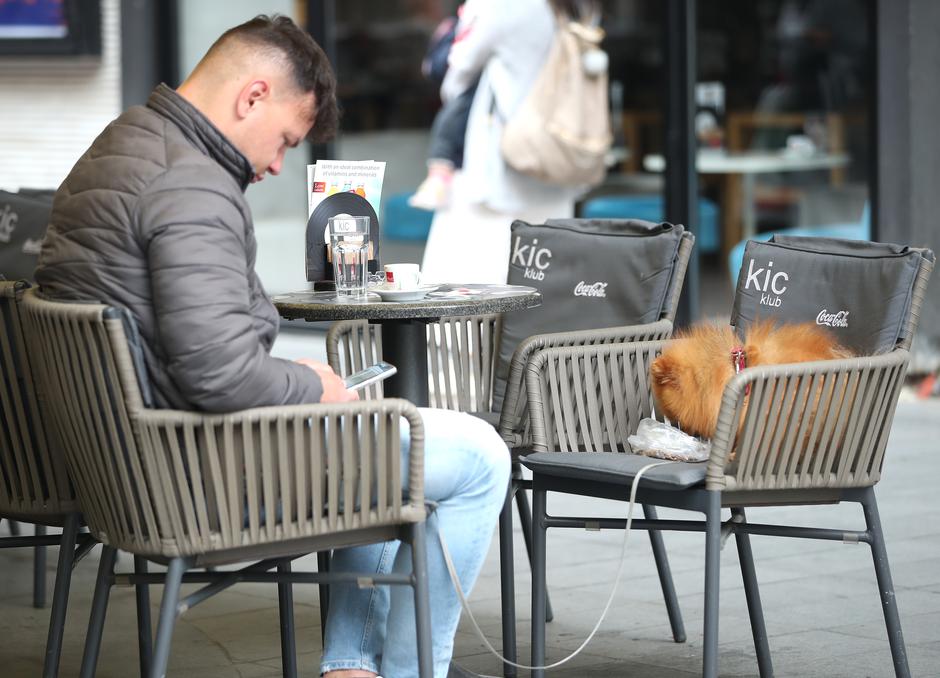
(689, 377)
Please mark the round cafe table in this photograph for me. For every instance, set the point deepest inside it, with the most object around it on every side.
(404, 323)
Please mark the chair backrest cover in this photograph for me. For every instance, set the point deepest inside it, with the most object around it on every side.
(863, 291)
(592, 273)
(33, 477)
(24, 217)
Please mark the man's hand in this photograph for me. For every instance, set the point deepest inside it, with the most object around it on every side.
(334, 391)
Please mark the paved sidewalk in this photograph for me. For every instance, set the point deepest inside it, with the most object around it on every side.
(820, 598)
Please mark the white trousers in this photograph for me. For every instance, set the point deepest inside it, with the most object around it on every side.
(469, 242)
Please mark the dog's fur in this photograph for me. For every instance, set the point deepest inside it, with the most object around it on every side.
(689, 377)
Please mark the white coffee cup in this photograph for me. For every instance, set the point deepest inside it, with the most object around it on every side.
(402, 276)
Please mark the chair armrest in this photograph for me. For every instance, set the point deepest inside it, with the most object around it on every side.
(276, 472)
(513, 419)
(806, 425)
(589, 398)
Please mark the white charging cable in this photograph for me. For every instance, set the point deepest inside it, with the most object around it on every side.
(623, 552)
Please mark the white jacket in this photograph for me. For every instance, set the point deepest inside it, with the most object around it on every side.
(506, 47)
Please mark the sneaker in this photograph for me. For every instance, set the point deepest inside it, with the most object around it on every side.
(432, 194)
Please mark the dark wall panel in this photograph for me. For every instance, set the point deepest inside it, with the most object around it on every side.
(908, 145)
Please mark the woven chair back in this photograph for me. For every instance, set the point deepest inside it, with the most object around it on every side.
(461, 358)
(34, 482)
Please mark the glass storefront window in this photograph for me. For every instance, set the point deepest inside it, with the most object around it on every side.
(782, 80)
(777, 77)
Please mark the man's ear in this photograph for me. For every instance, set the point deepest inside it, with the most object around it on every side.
(254, 92)
(663, 370)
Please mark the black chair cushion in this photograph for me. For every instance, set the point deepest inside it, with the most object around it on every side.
(491, 418)
(860, 290)
(610, 467)
(23, 220)
(591, 273)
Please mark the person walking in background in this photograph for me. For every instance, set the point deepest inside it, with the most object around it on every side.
(505, 50)
(445, 152)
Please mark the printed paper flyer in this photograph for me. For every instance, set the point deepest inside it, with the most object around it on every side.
(362, 177)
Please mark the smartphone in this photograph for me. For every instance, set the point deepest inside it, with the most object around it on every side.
(370, 375)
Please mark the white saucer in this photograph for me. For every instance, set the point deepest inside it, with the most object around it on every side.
(404, 295)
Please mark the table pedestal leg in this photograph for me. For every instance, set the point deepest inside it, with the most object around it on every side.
(405, 345)
(749, 222)
(731, 217)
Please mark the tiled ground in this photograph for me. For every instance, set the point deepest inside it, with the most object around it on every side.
(820, 598)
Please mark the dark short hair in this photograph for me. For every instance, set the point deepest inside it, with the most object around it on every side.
(310, 68)
(575, 9)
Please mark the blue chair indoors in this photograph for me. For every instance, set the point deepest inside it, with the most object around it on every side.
(858, 230)
(401, 221)
(650, 208)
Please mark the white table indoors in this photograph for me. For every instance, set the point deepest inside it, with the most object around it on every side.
(748, 164)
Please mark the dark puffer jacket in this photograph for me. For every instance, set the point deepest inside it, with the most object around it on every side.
(153, 218)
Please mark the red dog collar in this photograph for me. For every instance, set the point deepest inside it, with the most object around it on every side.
(739, 360)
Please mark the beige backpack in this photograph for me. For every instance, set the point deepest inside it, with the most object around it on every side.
(561, 132)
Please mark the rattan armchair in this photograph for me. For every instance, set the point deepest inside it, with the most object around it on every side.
(34, 483)
(189, 489)
(812, 433)
(462, 365)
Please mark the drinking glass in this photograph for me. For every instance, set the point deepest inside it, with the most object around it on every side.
(349, 244)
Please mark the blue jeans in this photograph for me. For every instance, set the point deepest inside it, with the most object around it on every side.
(466, 471)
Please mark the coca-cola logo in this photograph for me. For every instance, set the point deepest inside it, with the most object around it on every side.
(838, 319)
(32, 246)
(598, 289)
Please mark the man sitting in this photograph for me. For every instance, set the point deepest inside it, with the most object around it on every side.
(153, 218)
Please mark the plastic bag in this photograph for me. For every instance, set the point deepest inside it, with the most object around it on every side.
(656, 439)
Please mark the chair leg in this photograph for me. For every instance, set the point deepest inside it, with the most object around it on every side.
(14, 528)
(712, 564)
(665, 578)
(752, 594)
(539, 595)
(323, 565)
(889, 603)
(60, 596)
(525, 518)
(144, 630)
(168, 614)
(39, 571)
(285, 599)
(419, 559)
(99, 606)
(507, 586)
